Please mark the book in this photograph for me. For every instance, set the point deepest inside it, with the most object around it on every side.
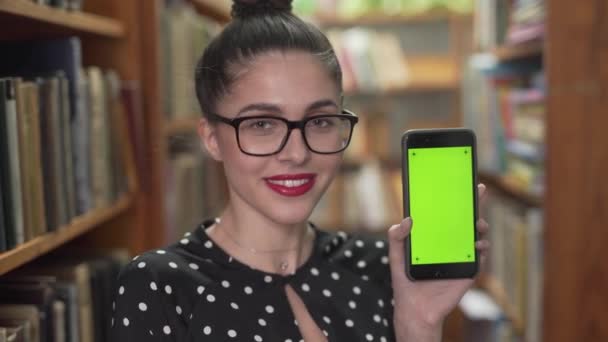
(26, 316)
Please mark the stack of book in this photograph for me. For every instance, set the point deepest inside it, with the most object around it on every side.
(505, 106)
(62, 132)
(63, 298)
(516, 259)
(500, 22)
(71, 5)
(527, 21)
(371, 61)
(358, 8)
(184, 36)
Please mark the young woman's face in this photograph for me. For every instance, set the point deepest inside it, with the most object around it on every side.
(292, 85)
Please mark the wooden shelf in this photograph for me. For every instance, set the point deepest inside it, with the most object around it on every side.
(40, 245)
(520, 51)
(505, 186)
(25, 19)
(181, 126)
(497, 291)
(216, 9)
(426, 74)
(384, 19)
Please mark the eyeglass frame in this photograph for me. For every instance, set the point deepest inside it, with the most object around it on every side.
(291, 125)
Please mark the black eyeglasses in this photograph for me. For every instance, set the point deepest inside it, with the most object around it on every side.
(265, 135)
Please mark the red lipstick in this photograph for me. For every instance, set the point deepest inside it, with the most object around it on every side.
(291, 185)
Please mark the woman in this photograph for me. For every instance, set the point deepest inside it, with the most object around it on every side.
(270, 89)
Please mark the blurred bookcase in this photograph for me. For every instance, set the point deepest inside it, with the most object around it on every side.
(533, 103)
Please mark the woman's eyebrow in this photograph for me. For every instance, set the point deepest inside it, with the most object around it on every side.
(320, 104)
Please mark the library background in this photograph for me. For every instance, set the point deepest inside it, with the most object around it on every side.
(100, 159)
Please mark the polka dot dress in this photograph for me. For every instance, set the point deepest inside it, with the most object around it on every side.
(194, 291)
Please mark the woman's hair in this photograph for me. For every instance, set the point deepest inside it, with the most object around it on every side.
(258, 27)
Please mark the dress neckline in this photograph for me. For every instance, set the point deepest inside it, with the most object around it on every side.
(221, 256)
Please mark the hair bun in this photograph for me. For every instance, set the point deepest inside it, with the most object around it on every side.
(247, 8)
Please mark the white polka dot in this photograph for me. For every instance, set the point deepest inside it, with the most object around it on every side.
(167, 330)
(178, 309)
(160, 251)
(342, 234)
(135, 258)
(200, 289)
(190, 316)
(262, 322)
(348, 253)
(210, 298)
(187, 234)
(295, 321)
(234, 305)
(232, 333)
(225, 284)
(248, 290)
(327, 248)
(184, 241)
(356, 290)
(193, 266)
(258, 338)
(288, 340)
(335, 241)
(380, 303)
(326, 319)
(352, 304)
(359, 243)
(269, 309)
(382, 339)
(125, 321)
(153, 286)
(369, 337)
(151, 333)
(349, 323)
(325, 333)
(393, 301)
(361, 264)
(379, 243)
(168, 289)
(385, 322)
(172, 264)
(384, 260)
(377, 318)
(141, 265)
(305, 287)
(112, 324)
(143, 306)
(314, 271)
(335, 275)
(113, 305)
(327, 293)
(268, 279)
(121, 290)
(208, 244)
(365, 277)
(207, 330)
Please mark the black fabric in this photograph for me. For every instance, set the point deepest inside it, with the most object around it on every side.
(194, 291)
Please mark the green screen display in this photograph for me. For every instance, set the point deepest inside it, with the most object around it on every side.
(441, 205)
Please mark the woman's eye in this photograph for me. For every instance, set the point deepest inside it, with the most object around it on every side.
(262, 124)
(322, 122)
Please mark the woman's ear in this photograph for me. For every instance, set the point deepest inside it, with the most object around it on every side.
(207, 133)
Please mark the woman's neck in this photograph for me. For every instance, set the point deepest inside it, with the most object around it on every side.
(262, 243)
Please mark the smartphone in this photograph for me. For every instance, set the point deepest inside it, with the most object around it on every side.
(440, 195)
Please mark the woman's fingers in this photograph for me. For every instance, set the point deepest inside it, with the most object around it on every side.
(396, 254)
(482, 245)
(482, 226)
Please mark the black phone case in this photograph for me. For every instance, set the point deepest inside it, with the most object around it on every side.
(406, 208)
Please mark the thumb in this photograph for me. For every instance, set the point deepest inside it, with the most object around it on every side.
(396, 253)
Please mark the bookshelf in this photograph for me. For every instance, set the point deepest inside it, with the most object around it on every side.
(383, 19)
(519, 51)
(40, 245)
(28, 19)
(218, 10)
(575, 164)
(113, 36)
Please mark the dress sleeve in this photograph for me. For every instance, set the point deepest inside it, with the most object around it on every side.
(140, 310)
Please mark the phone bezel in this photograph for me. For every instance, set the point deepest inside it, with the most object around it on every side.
(428, 138)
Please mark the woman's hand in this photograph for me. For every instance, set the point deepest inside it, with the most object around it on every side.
(421, 306)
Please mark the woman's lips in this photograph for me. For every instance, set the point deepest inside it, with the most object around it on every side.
(291, 185)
